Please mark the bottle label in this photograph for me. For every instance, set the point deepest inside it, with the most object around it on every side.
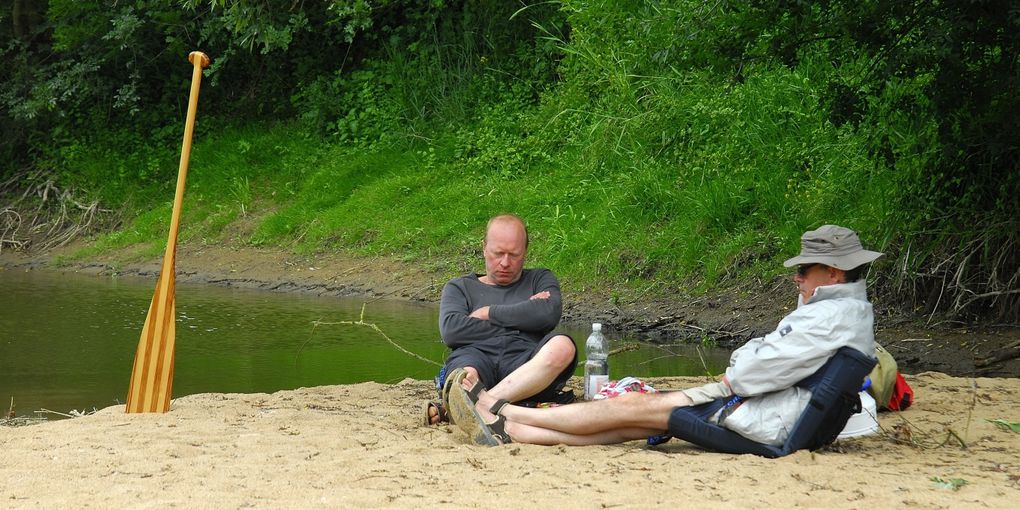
(595, 384)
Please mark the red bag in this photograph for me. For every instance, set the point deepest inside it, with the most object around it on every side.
(902, 394)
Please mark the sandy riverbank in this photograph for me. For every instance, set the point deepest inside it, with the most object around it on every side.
(362, 446)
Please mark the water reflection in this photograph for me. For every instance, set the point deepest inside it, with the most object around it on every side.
(67, 341)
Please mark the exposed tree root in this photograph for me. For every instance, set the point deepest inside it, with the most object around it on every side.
(964, 277)
(39, 216)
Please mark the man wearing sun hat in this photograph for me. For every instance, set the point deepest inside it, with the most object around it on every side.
(757, 397)
(829, 255)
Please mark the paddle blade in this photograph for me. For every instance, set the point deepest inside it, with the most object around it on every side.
(153, 371)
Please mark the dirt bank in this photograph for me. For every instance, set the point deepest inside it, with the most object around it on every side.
(728, 317)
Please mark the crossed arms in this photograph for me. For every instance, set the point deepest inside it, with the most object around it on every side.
(470, 313)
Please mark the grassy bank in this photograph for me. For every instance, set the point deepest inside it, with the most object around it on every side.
(647, 144)
(609, 203)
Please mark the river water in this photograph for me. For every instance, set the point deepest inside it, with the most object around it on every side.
(67, 341)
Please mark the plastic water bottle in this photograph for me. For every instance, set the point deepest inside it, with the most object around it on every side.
(596, 366)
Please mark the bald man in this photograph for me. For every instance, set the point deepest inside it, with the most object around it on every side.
(499, 324)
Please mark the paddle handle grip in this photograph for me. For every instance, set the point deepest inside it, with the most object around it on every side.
(203, 59)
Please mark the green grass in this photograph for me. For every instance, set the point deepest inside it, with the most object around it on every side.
(691, 181)
(148, 229)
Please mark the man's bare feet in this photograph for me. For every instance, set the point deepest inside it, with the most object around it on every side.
(435, 413)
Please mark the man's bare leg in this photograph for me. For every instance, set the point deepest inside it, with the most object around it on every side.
(537, 374)
(522, 433)
(647, 412)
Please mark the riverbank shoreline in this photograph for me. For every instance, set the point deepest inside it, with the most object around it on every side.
(364, 444)
(727, 318)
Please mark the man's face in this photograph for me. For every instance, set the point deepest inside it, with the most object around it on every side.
(811, 276)
(504, 248)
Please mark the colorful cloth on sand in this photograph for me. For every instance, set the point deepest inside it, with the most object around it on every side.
(625, 385)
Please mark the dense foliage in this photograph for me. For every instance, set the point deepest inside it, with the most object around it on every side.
(648, 144)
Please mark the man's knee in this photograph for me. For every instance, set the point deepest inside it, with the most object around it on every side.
(558, 352)
(650, 409)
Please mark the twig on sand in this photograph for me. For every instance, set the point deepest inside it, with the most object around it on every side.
(970, 411)
(361, 322)
(58, 413)
(951, 434)
(21, 421)
(902, 432)
(12, 420)
(73, 413)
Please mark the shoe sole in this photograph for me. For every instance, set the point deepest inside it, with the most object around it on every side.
(462, 412)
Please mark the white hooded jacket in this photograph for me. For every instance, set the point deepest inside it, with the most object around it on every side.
(765, 370)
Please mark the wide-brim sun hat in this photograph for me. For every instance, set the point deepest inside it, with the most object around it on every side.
(834, 246)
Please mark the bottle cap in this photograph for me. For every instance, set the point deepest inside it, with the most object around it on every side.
(596, 326)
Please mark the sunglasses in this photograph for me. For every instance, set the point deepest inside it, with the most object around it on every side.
(804, 268)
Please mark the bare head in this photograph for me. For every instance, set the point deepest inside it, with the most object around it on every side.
(505, 246)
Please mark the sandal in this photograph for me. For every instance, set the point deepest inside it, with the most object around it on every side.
(453, 379)
(498, 427)
(476, 388)
(463, 413)
(498, 406)
(437, 411)
(498, 430)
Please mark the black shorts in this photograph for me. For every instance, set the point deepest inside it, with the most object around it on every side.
(496, 359)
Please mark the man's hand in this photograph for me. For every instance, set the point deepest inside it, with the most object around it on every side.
(481, 313)
(726, 380)
(541, 295)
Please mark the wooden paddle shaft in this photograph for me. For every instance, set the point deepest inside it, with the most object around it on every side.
(199, 60)
(152, 374)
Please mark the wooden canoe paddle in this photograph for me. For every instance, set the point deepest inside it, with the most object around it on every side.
(152, 376)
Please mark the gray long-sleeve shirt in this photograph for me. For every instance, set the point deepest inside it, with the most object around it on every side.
(512, 312)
